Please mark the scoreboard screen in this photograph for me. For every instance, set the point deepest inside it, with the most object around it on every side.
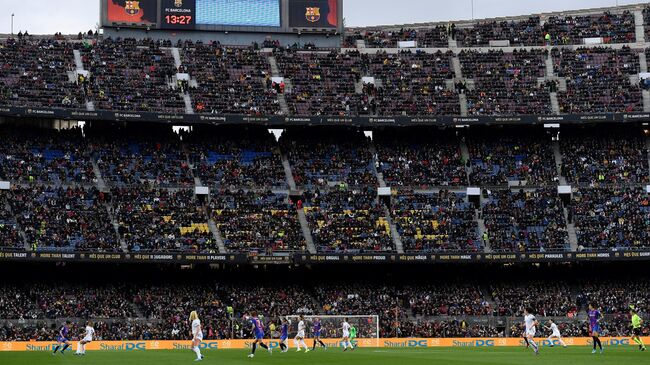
(313, 13)
(249, 13)
(134, 11)
(178, 14)
(274, 16)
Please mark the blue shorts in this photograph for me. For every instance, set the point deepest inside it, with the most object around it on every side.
(317, 334)
(61, 339)
(284, 337)
(259, 335)
(595, 328)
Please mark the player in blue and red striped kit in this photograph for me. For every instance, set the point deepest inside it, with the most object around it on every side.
(62, 339)
(317, 329)
(594, 327)
(284, 334)
(258, 331)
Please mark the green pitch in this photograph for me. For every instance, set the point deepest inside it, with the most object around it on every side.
(402, 356)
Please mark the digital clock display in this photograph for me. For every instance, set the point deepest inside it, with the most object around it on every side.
(178, 14)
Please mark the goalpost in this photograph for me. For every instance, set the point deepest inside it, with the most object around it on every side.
(367, 327)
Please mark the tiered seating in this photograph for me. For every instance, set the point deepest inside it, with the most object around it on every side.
(525, 221)
(613, 28)
(329, 156)
(34, 73)
(9, 231)
(604, 157)
(519, 33)
(497, 159)
(549, 299)
(40, 155)
(133, 75)
(506, 83)
(436, 37)
(230, 80)
(64, 218)
(251, 221)
(418, 158)
(161, 220)
(436, 222)
(611, 218)
(452, 299)
(132, 156)
(598, 80)
(347, 221)
(412, 84)
(322, 83)
(236, 157)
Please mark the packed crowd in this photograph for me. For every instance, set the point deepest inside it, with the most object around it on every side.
(32, 311)
(525, 220)
(613, 218)
(162, 220)
(257, 221)
(326, 157)
(323, 83)
(598, 80)
(519, 33)
(604, 157)
(229, 80)
(416, 158)
(411, 84)
(506, 83)
(132, 75)
(437, 222)
(496, 160)
(58, 218)
(236, 158)
(348, 220)
(613, 28)
(35, 73)
(131, 156)
(31, 155)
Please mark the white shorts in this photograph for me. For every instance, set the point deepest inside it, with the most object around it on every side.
(301, 334)
(346, 334)
(87, 339)
(556, 334)
(199, 336)
(530, 332)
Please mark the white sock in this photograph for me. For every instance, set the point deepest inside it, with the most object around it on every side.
(302, 342)
(562, 342)
(295, 342)
(83, 349)
(198, 352)
(532, 343)
(78, 348)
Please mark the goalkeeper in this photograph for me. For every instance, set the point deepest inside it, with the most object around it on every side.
(353, 336)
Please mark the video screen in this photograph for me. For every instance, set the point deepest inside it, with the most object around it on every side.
(313, 13)
(250, 13)
(132, 11)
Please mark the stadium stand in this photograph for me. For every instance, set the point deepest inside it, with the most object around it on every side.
(348, 220)
(256, 221)
(436, 222)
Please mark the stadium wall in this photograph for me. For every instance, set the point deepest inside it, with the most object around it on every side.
(367, 343)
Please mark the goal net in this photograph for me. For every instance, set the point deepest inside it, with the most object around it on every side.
(367, 327)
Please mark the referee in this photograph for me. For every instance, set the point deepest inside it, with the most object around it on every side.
(637, 322)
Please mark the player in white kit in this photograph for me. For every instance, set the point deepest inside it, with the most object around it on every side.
(555, 333)
(86, 339)
(345, 327)
(531, 328)
(299, 340)
(197, 335)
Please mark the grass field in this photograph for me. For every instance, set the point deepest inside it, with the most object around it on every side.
(401, 356)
